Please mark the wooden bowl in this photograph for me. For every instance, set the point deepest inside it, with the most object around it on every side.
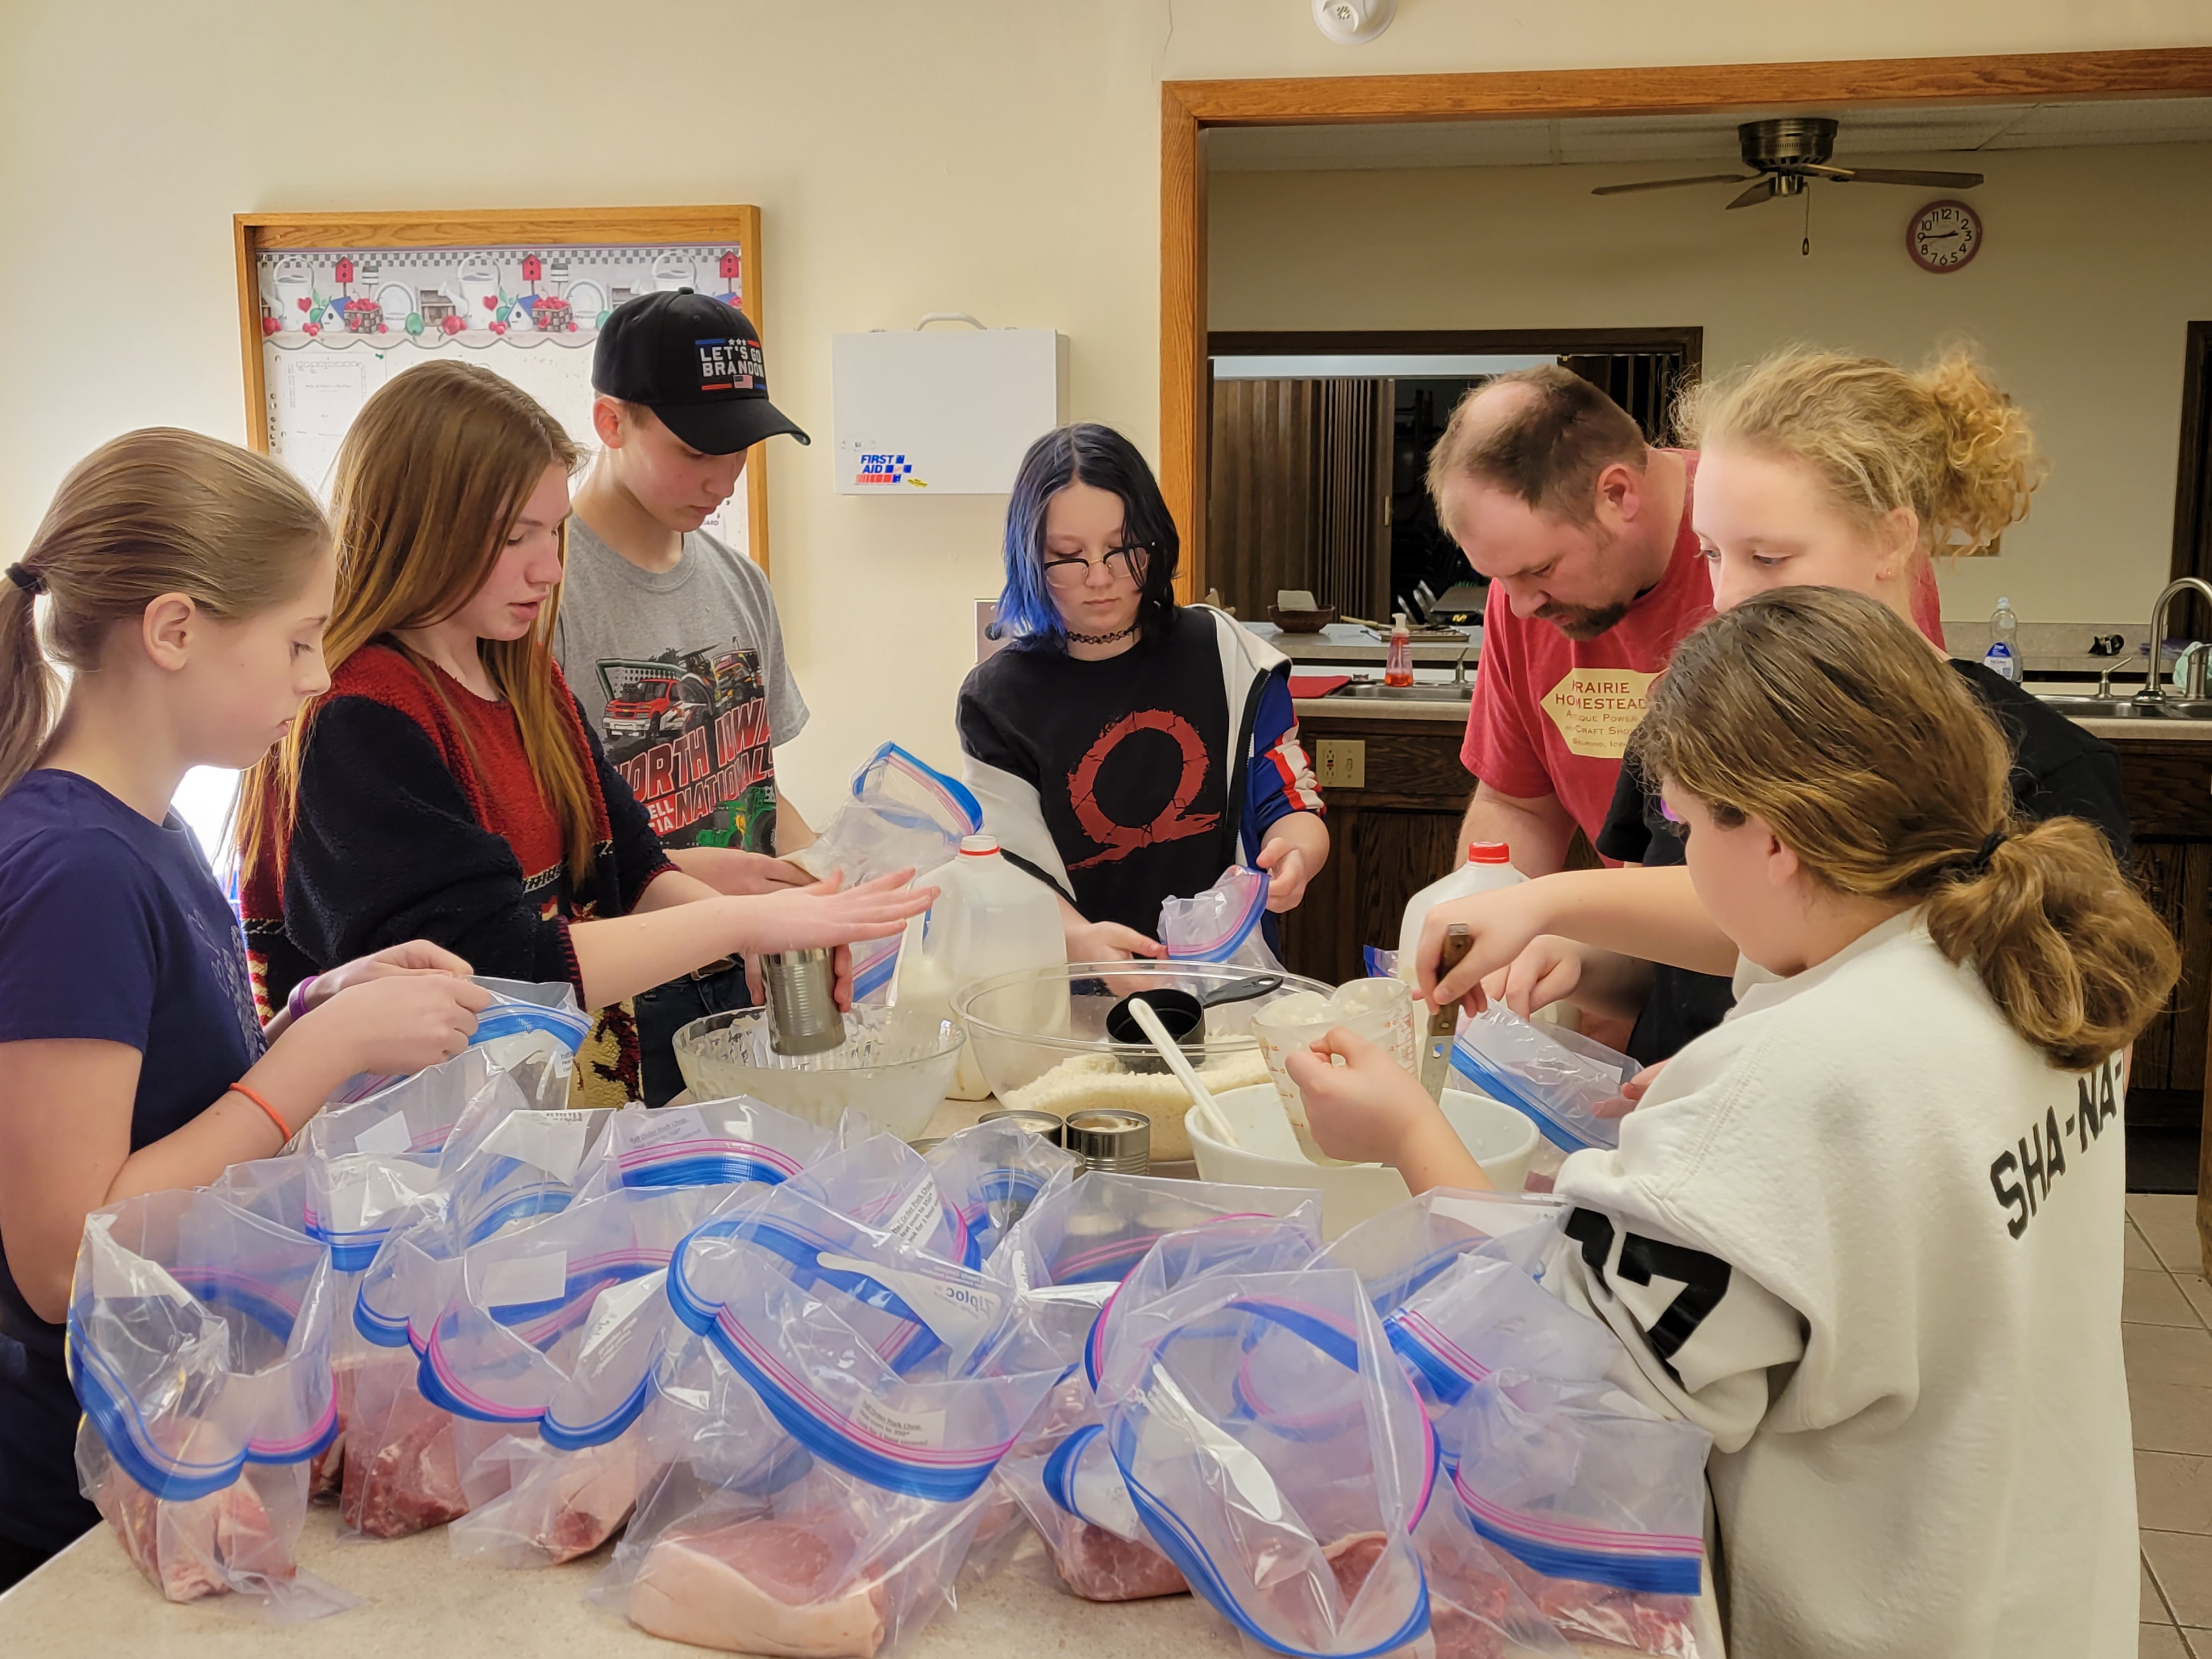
(1302, 621)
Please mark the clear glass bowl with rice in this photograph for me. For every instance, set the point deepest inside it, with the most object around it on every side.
(896, 1070)
(1039, 1037)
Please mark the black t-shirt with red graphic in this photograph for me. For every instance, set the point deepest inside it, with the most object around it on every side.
(1128, 758)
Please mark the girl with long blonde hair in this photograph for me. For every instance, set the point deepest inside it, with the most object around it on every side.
(1867, 1232)
(447, 784)
(184, 584)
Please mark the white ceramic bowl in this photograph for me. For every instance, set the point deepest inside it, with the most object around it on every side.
(1502, 1139)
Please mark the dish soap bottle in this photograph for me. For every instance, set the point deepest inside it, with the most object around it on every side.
(1398, 667)
(989, 918)
(2003, 655)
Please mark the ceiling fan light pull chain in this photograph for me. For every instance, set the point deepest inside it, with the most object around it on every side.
(1805, 250)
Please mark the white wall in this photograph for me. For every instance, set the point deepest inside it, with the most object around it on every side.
(996, 156)
(2093, 263)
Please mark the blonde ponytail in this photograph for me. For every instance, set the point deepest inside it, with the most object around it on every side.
(1945, 442)
(154, 512)
(1824, 715)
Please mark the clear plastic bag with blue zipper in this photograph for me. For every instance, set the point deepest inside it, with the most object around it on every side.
(1277, 1456)
(1399, 1251)
(1482, 1317)
(531, 1031)
(830, 1425)
(900, 813)
(551, 1339)
(1222, 924)
(503, 1165)
(1593, 1503)
(200, 1347)
(1063, 1475)
(711, 1143)
(991, 1173)
(1551, 1075)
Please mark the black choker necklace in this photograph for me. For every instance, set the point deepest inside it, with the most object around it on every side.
(1102, 639)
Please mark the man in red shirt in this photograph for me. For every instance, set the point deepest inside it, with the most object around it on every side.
(1583, 531)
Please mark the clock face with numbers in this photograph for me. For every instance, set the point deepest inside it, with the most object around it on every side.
(1944, 236)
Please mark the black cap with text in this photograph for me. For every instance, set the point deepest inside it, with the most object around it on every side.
(696, 363)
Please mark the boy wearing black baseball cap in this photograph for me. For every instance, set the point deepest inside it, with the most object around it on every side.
(670, 638)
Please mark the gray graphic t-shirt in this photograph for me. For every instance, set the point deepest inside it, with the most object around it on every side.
(684, 673)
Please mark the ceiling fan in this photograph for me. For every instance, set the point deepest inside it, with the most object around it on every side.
(1787, 151)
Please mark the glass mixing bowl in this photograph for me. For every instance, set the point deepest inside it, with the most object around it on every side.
(894, 1071)
(1019, 1033)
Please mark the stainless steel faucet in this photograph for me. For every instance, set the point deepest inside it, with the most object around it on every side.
(1459, 663)
(2154, 692)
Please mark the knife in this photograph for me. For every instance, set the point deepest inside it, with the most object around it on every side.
(1436, 1046)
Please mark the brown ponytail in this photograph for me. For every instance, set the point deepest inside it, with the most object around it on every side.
(1944, 443)
(154, 512)
(1823, 713)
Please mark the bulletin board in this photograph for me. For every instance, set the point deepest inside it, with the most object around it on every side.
(332, 306)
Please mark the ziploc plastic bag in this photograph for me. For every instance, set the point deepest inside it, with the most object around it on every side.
(1276, 1455)
(830, 1428)
(901, 812)
(1064, 1479)
(1482, 1317)
(1399, 1251)
(990, 1174)
(1595, 1503)
(713, 1143)
(1221, 924)
(503, 1165)
(200, 1347)
(1551, 1075)
(552, 1336)
(533, 1030)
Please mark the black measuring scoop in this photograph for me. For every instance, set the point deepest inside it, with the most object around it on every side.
(1181, 1012)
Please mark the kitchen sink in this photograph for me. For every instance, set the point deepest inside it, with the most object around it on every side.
(2127, 709)
(1376, 691)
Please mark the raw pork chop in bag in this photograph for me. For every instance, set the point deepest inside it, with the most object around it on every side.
(1595, 1503)
(829, 1430)
(200, 1347)
(503, 1165)
(1277, 1456)
(553, 1336)
(1065, 1480)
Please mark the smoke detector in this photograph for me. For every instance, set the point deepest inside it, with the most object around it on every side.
(1353, 22)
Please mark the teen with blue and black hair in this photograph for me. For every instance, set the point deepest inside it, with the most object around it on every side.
(1126, 748)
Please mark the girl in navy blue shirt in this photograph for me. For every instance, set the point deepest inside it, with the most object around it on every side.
(186, 582)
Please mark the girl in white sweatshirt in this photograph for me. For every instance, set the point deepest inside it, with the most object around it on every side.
(1867, 1232)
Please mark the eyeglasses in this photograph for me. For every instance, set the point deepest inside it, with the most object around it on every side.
(1074, 571)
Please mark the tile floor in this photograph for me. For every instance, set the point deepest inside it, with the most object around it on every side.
(2168, 1338)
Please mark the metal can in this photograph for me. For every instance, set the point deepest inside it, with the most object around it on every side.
(1112, 1140)
(1046, 1125)
(802, 1002)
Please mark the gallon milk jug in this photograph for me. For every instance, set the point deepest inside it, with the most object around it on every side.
(991, 918)
(1489, 865)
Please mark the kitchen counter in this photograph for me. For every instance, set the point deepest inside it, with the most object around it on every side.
(418, 1599)
(1453, 709)
(1348, 643)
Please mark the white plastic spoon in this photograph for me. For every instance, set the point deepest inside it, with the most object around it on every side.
(1217, 1124)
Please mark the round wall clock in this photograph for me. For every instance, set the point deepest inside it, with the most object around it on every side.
(1944, 236)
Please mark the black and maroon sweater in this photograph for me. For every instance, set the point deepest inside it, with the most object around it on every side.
(418, 818)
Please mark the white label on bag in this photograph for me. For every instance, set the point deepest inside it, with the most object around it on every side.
(618, 1306)
(958, 1313)
(387, 1139)
(1496, 1216)
(553, 1141)
(520, 1280)
(668, 1123)
(917, 1216)
(924, 1429)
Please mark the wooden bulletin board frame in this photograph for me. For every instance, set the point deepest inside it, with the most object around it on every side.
(552, 229)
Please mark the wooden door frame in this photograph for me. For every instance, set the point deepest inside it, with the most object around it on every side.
(1189, 107)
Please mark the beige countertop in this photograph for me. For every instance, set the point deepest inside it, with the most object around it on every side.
(1427, 711)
